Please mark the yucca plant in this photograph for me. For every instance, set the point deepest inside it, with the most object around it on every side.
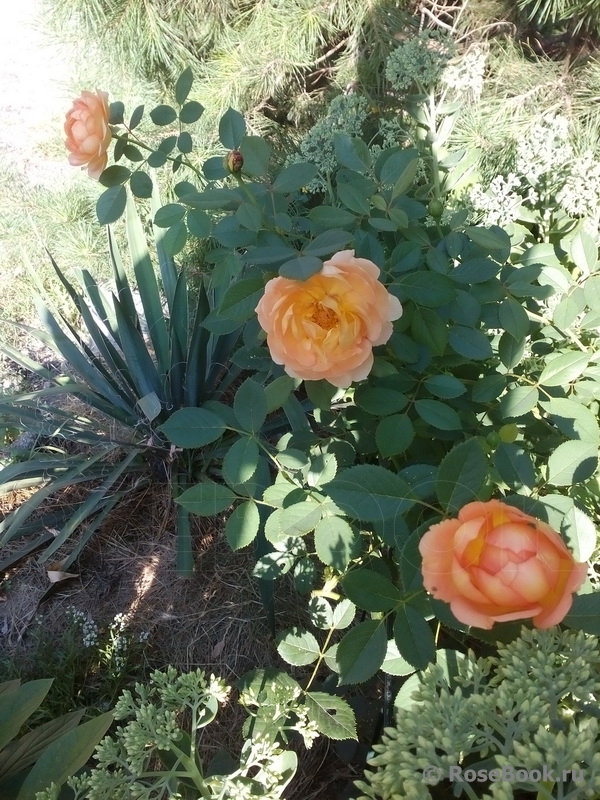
(48, 753)
(98, 424)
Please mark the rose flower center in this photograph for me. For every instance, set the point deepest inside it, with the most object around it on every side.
(324, 317)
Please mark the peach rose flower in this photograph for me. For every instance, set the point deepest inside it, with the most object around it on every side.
(326, 326)
(496, 563)
(88, 134)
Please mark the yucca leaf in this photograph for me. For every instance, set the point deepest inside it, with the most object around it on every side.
(116, 366)
(17, 706)
(123, 289)
(79, 473)
(197, 355)
(102, 305)
(147, 287)
(91, 527)
(55, 337)
(168, 270)
(224, 346)
(88, 507)
(178, 325)
(185, 553)
(24, 361)
(13, 559)
(22, 753)
(143, 369)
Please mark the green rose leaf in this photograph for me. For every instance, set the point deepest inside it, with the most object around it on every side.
(231, 129)
(294, 177)
(361, 652)
(206, 499)
(414, 638)
(371, 591)
(250, 405)
(111, 205)
(163, 115)
(572, 462)
(370, 493)
(564, 369)
(332, 715)
(298, 647)
(438, 414)
(461, 476)
(336, 542)
(242, 526)
(193, 427)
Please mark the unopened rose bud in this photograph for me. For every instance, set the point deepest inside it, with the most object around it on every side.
(233, 161)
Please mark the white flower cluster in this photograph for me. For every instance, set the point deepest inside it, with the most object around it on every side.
(465, 75)
(501, 709)
(500, 203)
(580, 194)
(544, 152)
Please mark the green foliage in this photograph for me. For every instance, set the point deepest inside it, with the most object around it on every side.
(525, 708)
(47, 753)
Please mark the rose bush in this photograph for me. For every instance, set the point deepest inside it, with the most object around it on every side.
(495, 564)
(88, 133)
(325, 327)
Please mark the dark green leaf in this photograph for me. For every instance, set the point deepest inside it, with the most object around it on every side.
(163, 115)
(351, 153)
(141, 184)
(191, 112)
(361, 652)
(380, 401)
(169, 215)
(371, 591)
(198, 222)
(241, 298)
(250, 405)
(470, 342)
(394, 435)
(256, 153)
(414, 637)
(446, 386)
(461, 475)
(301, 268)
(183, 85)
(114, 175)
(328, 217)
(111, 205)
(157, 159)
(184, 142)
(136, 117)
(476, 270)
(585, 613)
(231, 129)
(240, 462)
(518, 401)
(438, 414)
(175, 239)
(429, 289)
(327, 243)
(514, 466)
(294, 177)
(513, 318)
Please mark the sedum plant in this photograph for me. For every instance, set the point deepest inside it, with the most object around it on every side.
(530, 712)
(154, 753)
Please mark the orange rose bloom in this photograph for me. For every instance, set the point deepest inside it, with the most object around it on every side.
(88, 134)
(496, 563)
(326, 326)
